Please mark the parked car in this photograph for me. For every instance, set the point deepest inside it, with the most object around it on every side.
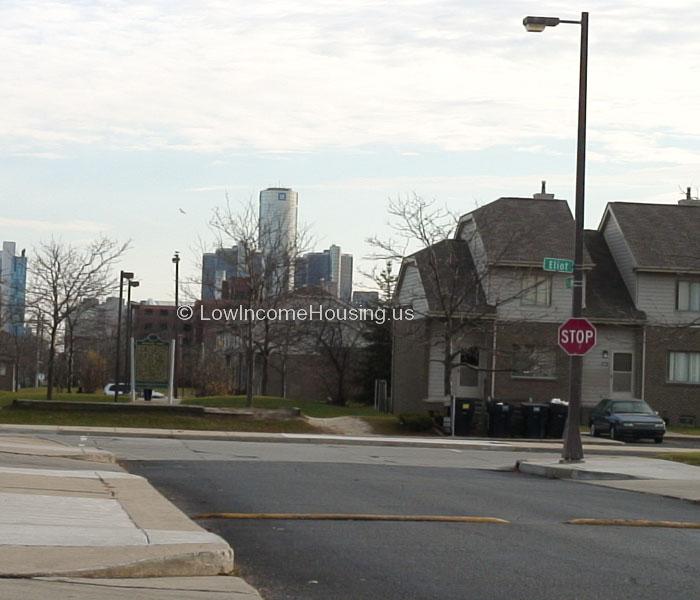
(125, 389)
(627, 419)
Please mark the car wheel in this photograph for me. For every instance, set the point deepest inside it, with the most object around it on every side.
(594, 431)
(658, 440)
(613, 432)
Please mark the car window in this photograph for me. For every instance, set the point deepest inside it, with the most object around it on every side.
(632, 407)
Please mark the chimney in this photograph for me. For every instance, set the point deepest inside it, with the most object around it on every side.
(543, 195)
(689, 200)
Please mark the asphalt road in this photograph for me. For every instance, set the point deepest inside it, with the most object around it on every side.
(535, 557)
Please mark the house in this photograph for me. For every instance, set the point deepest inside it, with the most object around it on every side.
(487, 314)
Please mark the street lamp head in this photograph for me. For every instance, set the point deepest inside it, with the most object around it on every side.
(176, 258)
(127, 275)
(538, 24)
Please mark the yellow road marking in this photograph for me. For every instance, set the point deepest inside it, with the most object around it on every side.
(351, 517)
(635, 523)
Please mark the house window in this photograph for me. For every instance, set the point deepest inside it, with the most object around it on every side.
(688, 297)
(3, 370)
(534, 362)
(684, 367)
(536, 290)
(469, 367)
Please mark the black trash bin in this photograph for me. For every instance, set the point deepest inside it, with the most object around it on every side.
(556, 420)
(534, 419)
(147, 393)
(464, 415)
(500, 419)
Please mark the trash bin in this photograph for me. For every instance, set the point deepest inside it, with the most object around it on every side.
(500, 419)
(534, 419)
(556, 420)
(464, 414)
(147, 393)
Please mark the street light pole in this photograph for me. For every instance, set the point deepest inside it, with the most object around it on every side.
(573, 449)
(122, 276)
(176, 262)
(131, 284)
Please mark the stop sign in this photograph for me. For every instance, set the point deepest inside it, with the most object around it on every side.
(577, 336)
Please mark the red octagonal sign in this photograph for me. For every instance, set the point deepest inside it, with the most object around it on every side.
(577, 336)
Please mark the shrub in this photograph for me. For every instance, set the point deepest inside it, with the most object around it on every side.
(415, 422)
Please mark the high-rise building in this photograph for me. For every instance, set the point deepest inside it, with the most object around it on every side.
(13, 289)
(217, 267)
(330, 270)
(278, 235)
(345, 278)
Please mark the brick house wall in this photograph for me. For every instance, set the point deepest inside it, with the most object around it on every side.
(510, 388)
(672, 400)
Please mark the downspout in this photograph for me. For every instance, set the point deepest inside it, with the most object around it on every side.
(493, 362)
(644, 357)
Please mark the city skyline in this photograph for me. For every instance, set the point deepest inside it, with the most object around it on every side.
(452, 101)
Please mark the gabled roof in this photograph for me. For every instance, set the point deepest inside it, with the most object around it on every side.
(660, 236)
(525, 231)
(449, 278)
(607, 296)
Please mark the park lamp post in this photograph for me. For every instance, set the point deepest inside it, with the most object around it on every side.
(122, 276)
(129, 316)
(176, 323)
(573, 449)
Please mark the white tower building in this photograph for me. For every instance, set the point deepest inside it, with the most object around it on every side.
(278, 233)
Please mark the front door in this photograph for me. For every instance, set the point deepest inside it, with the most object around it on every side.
(621, 375)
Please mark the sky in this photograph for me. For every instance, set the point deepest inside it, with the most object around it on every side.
(136, 119)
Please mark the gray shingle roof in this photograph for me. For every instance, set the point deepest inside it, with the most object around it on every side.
(606, 293)
(661, 236)
(526, 230)
(450, 279)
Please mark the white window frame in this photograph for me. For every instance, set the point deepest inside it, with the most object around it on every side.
(688, 295)
(683, 367)
(536, 290)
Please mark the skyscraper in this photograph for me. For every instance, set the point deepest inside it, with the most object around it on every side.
(278, 236)
(330, 270)
(13, 289)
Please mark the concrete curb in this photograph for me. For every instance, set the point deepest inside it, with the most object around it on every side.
(54, 449)
(134, 531)
(513, 445)
(565, 472)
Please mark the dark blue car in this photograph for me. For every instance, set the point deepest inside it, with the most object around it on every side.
(627, 420)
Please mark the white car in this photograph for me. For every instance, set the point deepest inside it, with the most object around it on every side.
(125, 390)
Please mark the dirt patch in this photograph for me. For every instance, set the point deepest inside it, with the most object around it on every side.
(342, 425)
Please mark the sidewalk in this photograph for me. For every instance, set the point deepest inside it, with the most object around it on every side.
(99, 523)
(591, 445)
(651, 476)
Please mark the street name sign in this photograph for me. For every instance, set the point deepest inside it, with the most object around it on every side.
(558, 265)
(577, 336)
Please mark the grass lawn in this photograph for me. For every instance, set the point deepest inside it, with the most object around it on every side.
(89, 418)
(155, 421)
(689, 458)
(6, 398)
(308, 407)
(686, 430)
(390, 425)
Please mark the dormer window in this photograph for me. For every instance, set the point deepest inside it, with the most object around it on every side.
(688, 296)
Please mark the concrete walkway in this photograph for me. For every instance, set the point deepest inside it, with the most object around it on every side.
(651, 476)
(591, 445)
(91, 522)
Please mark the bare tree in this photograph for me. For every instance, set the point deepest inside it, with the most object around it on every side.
(453, 283)
(265, 262)
(62, 276)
